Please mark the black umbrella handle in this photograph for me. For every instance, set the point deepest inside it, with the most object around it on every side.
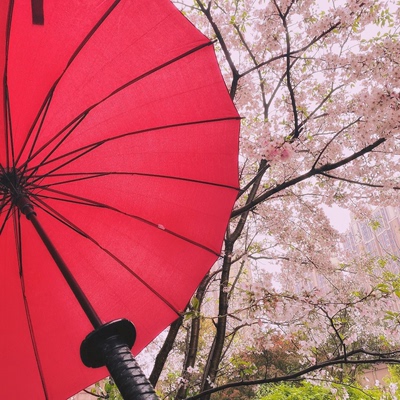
(126, 373)
(110, 345)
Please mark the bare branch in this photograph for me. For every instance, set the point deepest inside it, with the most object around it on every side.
(358, 182)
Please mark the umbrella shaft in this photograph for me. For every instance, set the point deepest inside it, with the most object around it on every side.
(27, 208)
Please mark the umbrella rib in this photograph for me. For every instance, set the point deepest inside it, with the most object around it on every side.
(8, 128)
(91, 175)
(49, 96)
(46, 106)
(5, 200)
(18, 241)
(49, 210)
(6, 107)
(17, 235)
(113, 93)
(33, 170)
(88, 202)
(7, 215)
(92, 146)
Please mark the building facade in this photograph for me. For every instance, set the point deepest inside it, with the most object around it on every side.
(379, 236)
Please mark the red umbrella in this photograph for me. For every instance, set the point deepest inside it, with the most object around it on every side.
(119, 143)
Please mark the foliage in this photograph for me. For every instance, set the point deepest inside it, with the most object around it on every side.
(309, 391)
(105, 389)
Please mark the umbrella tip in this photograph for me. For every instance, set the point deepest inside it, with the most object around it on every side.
(37, 12)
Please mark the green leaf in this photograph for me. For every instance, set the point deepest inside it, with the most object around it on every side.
(195, 303)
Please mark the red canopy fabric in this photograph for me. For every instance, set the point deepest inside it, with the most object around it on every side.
(125, 139)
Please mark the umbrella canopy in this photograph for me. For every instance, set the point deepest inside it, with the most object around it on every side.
(118, 128)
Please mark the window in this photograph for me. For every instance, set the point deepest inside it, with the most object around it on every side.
(372, 248)
(350, 243)
(379, 220)
(387, 241)
(366, 232)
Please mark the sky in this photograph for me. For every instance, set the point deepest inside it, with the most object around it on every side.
(339, 217)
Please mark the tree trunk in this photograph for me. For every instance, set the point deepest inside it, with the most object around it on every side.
(163, 353)
(194, 338)
(215, 354)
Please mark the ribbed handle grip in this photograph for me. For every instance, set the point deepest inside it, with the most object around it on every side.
(127, 375)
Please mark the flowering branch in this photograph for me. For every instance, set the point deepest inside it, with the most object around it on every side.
(314, 171)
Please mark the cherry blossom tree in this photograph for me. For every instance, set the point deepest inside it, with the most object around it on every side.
(318, 86)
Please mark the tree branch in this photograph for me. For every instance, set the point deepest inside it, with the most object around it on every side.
(235, 72)
(312, 172)
(332, 139)
(165, 350)
(296, 130)
(357, 182)
(301, 50)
